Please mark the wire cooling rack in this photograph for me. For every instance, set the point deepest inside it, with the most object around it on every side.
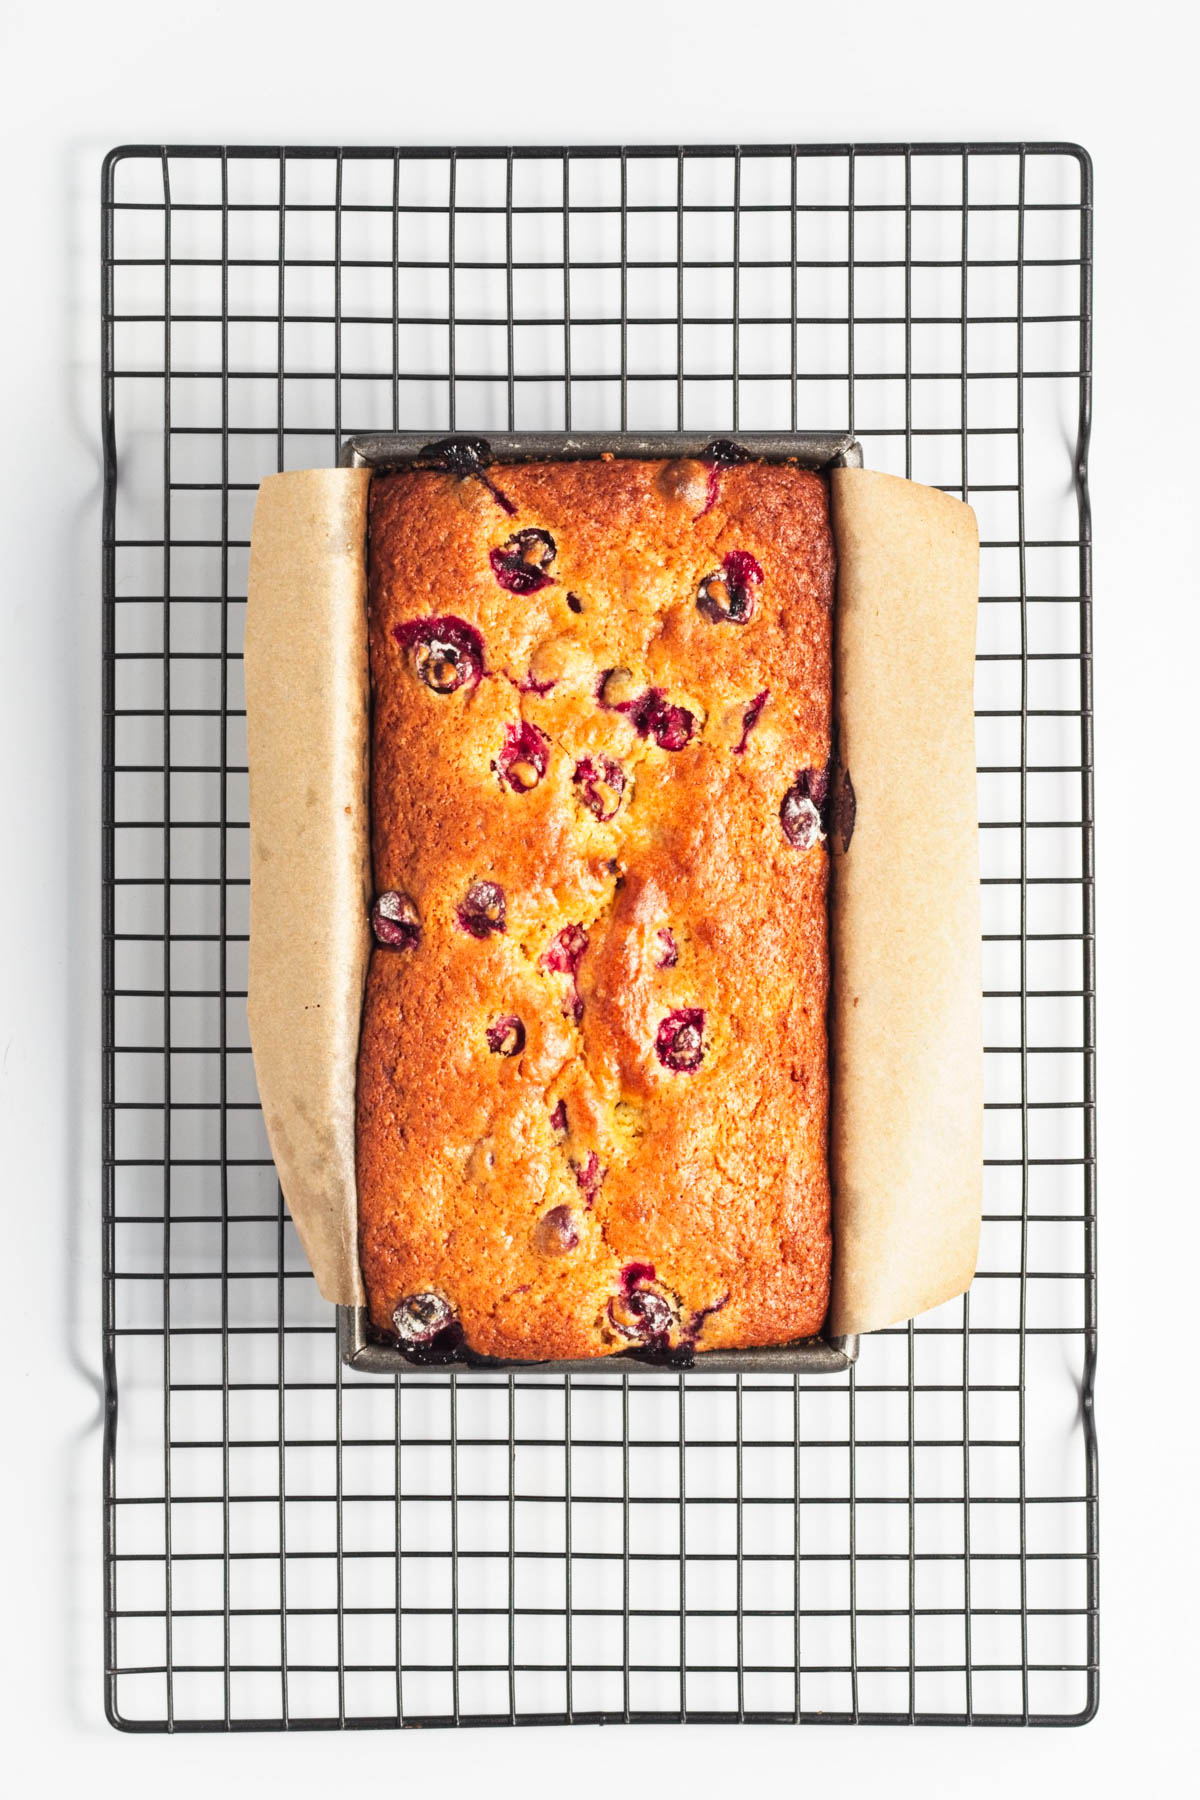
(291, 1544)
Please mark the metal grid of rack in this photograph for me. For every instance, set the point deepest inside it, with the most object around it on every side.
(293, 1544)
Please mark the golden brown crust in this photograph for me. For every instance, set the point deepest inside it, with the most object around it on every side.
(717, 1176)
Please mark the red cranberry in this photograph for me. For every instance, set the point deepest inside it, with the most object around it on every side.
(523, 757)
(506, 1037)
(419, 1318)
(641, 1310)
(447, 653)
(601, 783)
(558, 1119)
(563, 958)
(528, 685)
(729, 592)
(750, 719)
(722, 453)
(469, 456)
(680, 1040)
(520, 564)
(481, 909)
(668, 949)
(394, 921)
(588, 1175)
(800, 820)
(566, 952)
(556, 1232)
(802, 809)
(671, 727)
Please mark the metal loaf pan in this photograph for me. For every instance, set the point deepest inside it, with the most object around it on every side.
(387, 450)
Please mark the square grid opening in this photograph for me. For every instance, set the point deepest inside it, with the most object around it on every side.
(288, 1542)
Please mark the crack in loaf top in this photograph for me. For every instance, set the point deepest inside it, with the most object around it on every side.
(592, 1082)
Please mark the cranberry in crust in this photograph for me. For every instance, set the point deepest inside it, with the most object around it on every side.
(649, 712)
(446, 653)
(481, 911)
(667, 954)
(563, 958)
(523, 757)
(680, 1040)
(420, 1318)
(750, 719)
(506, 1037)
(520, 565)
(802, 809)
(556, 1232)
(730, 592)
(601, 782)
(641, 1310)
(394, 921)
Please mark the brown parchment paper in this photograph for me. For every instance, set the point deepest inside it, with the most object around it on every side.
(906, 1122)
(906, 1025)
(306, 733)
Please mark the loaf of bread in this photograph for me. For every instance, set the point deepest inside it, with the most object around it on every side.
(593, 1075)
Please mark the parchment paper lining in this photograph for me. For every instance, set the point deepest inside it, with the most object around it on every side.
(906, 1022)
(310, 866)
(906, 1016)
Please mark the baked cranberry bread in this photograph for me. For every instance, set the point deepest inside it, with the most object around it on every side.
(593, 1084)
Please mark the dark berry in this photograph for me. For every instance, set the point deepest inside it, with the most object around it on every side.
(750, 719)
(680, 1040)
(802, 809)
(588, 1175)
(558, 1119)
(566, 952)
(506, 1037)
(722, 453)
(671, 727)
(419, 1318)
(800, 820)
(575, 603)
(394, 921)
(563, 958)
(601, 782)
(556, 1232)
(520, 564)
(729, 592)
(469, 456)
(634, 1273)
(481, 909)
(668, 949)
(447, 653)
(523, 757)
(641, 1311)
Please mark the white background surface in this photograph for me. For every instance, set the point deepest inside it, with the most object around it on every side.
(84, 77)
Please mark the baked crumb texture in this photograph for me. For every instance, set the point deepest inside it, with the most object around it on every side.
(592, 1085)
